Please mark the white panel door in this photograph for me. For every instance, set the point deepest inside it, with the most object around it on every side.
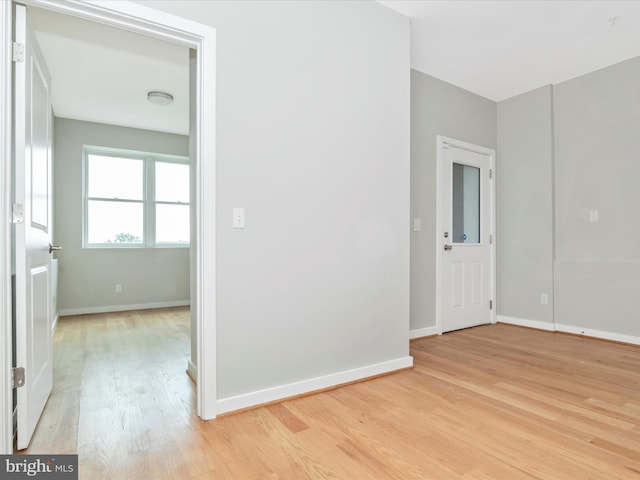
(32, 237)
(465, 251)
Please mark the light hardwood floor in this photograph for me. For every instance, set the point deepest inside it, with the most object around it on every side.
(492, 402)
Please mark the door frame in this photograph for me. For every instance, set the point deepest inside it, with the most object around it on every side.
(146, 21)
(441, 143)
(6, 397)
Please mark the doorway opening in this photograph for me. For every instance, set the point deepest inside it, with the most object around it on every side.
(201, 39)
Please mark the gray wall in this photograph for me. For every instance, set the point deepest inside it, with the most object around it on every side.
(564, 151)
(313, 141)
(597, 269)
(524, 206)
(437, 108)
(87, 277)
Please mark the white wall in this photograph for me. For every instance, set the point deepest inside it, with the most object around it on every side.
(437, 108)
(87, 277)
(313, 141)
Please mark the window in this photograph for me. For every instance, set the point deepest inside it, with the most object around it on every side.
(134, 199)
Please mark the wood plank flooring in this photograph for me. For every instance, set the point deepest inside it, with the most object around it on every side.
(492, 402)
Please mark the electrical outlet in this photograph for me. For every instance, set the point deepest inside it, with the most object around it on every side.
(118, 288)
(238, 218)
(544, 299)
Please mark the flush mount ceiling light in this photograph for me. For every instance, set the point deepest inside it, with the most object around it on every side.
(160, 98)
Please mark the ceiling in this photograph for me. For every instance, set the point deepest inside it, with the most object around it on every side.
(499, 49)
(496, 49)
(103, 74)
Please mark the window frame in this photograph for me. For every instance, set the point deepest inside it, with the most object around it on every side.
(148, 201)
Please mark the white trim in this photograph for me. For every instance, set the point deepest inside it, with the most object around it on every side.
(192, 371)
(522, 322)
(54, 295)
(281, 392)
(438, 243)
(54, 323)
(493, 183)
(206, 246)
(6, 399)
(423, 332)
(202, 38)
(587, 332)
(121, 308)
(441, 140)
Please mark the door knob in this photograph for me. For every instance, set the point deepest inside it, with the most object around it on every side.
(448, 247)
(54, 247)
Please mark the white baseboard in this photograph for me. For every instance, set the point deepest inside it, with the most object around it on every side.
(122, 308)
(192, 371)
(587, 332)
(526, 323)
(281, 392)
(423, 332)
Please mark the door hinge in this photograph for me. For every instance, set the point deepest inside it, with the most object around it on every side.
(17, 213)
(17, 52)
(17, 377)
(490, 239)
(490, 304)
(491, 173)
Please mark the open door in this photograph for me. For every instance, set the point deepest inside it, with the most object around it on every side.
(32, 233)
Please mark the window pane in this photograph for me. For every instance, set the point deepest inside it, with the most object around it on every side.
(172, 182)
(115, 222)
(115, 177)
(466, 204)
(172, 223)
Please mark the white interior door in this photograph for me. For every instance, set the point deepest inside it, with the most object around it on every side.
(33, 151)
(465, 235)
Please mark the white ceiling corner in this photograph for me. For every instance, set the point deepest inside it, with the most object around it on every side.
(499, 49)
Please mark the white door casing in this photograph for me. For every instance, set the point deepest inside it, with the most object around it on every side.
(201, 38)
(6, 145)
(33, 150)
(465, 236)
